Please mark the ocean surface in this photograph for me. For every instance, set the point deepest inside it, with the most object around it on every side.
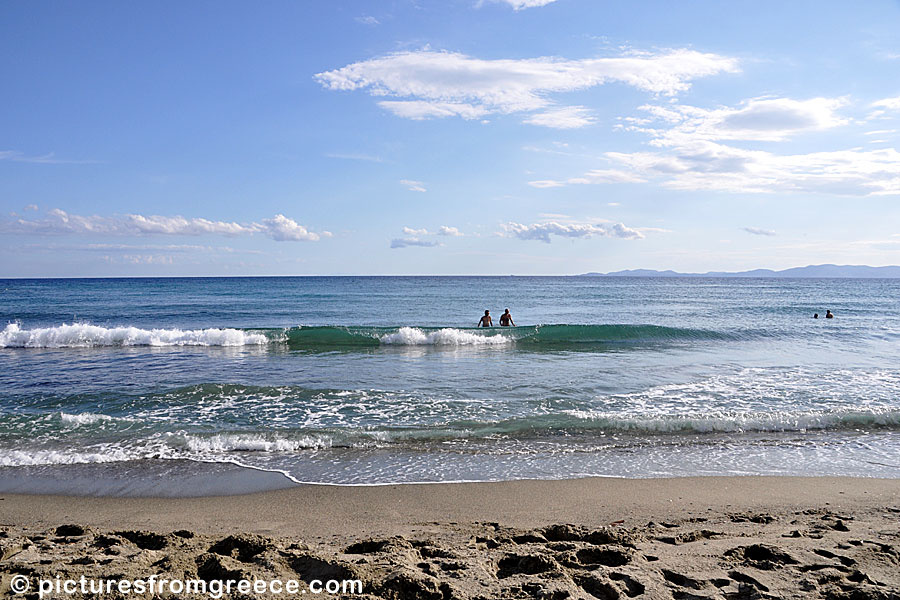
(166, 386)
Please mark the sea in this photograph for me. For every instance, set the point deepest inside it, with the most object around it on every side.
(192, 386)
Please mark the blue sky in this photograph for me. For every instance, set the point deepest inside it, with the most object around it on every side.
(444, 137)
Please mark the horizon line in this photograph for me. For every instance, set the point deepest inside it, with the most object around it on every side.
(587, 274)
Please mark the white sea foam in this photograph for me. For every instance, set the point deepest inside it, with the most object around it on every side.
(254, 443)
(21, 458)
(79, 335)
(411, 336)
(84, 418)
(737, 423)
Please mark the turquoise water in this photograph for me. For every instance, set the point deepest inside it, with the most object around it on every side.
(385, 379)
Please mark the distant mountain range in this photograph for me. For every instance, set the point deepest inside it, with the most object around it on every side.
(842, 271)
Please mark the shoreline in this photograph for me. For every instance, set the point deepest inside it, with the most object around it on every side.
(696, 537)
(312, 509)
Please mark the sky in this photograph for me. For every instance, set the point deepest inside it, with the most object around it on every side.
(470, 137)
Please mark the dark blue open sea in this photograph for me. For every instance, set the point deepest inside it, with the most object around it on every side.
(123, 385)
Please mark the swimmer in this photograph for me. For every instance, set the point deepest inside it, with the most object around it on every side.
(506, 319)
(828, 314)
(486, 320)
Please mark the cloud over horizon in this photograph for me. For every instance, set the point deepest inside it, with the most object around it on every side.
(758, 231)
(414, 236)
(59, 222)
(412, 241)
(542, 231)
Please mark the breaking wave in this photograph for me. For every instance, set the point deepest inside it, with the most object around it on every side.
(78, 335)
(534, 335)
(323, 338)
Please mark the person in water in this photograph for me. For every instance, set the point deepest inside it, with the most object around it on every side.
(816, 316)
(486, 320)
(828, 314)
(506, 319)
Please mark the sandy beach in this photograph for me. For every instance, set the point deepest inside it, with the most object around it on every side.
(709, 537)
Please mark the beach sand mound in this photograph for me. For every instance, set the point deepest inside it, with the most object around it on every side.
(808, 554)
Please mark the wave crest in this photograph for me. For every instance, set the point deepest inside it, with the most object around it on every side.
(79, 335)
(328, 337)
(411, 336)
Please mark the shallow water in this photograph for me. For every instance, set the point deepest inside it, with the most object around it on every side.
(384, 380)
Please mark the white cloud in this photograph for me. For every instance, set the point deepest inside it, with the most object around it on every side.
(567, 117)
(415, 236)
(419, 110)
(141, 259)
(281, 228)
(758, 231)
(413, 186)
(546, 183)
(758, 119)
(412, 241)
(449, 231)
(518, 5)
(31, 207)
(543, 231)
(691, 154)
(368, 20)
(45, 159)
(609, 176)
(711, 166)
(364, 157)
(593, 176)
(432, 84)
(885, 106)
(888, 103)
(136, 248)
(278, 228)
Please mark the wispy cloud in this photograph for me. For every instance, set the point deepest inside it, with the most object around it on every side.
(712, 166)
(44, 159)
(543, 231)
(413, 186)
(546, 183)
(593, 176)
(133, 248)
(567, 117)
(419, 110)
(693, 151)
(518, 5)
(757, 119)
(415, 237)
(368, 20)
(430, 84)
(412, 241)
(141, 259)
(758, 231)
(57, 222)
(885, 106)
(351, 156)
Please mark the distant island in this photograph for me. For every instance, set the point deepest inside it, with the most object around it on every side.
(837, 271)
